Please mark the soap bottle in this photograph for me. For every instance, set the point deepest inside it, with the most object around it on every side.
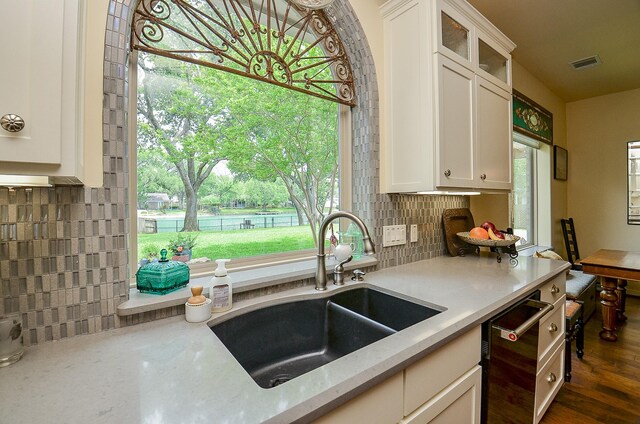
(220, 292)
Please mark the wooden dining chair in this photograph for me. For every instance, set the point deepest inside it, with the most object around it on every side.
(574, 326)
(580, 287)
(571, 243)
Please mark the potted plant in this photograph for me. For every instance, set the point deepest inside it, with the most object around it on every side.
(149, 253)
(181, 246)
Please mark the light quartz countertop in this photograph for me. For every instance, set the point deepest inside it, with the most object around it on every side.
(172, 371)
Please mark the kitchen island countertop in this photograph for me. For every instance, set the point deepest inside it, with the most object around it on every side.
(172, 371)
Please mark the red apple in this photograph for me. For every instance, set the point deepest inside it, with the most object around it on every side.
(488, 224)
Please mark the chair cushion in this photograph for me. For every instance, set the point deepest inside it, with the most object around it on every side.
(578, 282)
(582, 287)
(571, 308)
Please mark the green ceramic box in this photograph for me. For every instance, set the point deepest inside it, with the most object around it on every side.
(163, 276)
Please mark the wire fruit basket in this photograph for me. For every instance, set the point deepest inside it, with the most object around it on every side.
(499, 246)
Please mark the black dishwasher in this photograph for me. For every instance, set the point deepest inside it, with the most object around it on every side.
(510, 361)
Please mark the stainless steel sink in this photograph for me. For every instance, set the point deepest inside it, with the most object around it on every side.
(278, 343)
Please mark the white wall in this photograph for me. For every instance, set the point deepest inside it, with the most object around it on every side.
(598, 130)
(369, 16)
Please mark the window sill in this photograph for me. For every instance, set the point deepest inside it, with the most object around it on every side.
(243, 281)
(530, 250)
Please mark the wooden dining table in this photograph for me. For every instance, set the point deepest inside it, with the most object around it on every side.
(615, 267)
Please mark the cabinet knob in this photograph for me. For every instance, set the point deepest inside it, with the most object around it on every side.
(553, 328)
(483, 177)
(554, 289)
(447, 173)
(12, 123)
(552, 378)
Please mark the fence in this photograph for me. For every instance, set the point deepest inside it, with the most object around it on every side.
(218, 223)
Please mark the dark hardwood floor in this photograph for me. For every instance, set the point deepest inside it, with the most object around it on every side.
(605, 387)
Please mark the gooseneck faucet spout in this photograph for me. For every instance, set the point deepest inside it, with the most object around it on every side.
(321, 269)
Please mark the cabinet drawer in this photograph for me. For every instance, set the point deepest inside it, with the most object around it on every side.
(458, 403)
(427, 377)
(554, 289)
(551, 329)
(548, 382)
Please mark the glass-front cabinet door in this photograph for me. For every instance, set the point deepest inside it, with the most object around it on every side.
(493, 64)
(455, 36)
(633, 200)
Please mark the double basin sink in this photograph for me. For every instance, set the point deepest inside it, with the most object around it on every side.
(278, 343)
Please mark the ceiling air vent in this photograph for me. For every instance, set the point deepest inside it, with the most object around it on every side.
(587, 62)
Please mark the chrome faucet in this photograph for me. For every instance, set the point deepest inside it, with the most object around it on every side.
(321, 269)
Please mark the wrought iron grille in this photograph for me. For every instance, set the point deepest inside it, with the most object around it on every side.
(268, 40)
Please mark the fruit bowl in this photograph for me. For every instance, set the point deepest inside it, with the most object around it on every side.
(509, 239)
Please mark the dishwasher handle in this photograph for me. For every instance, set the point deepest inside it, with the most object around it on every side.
(514, 334)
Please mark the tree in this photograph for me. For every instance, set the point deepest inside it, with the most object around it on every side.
(218, 190)
(285, 135)
(265, 193)
(182, 118)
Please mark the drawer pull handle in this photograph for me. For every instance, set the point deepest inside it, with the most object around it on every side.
(447, 173)
(553, 328)
(483, 177)
(554, 289)
(12, 123)
(552, 378)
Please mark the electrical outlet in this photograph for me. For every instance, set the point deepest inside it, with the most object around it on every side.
(394, 235)
(414, 233)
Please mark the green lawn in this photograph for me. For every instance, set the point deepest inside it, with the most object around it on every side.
(236, 243)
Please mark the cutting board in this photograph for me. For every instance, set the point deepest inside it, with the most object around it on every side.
(455, 221)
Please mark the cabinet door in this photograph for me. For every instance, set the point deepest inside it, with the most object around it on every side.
(455, 128)
(381, 404)
(455, 35)
(493, 149)
(458, 403)
(31, 78)
(407, 153)
(494, 63)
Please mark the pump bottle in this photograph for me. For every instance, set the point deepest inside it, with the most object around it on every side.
(220, 291)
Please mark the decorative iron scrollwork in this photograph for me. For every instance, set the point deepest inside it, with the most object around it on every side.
(272, 41)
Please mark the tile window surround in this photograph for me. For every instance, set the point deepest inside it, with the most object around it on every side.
(63, 250)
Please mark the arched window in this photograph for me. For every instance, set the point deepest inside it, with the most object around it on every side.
(240, 105)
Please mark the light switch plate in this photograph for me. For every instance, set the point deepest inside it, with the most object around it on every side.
(414, 233)
(394, 235)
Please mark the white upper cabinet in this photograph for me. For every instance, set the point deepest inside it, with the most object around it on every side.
(454, 124)
(42, 82)
(493, 136)
(447, 94)
(30, 79)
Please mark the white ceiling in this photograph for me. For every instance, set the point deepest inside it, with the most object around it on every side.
(552, 33)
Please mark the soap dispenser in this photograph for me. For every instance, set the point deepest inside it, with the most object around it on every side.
(220, 292)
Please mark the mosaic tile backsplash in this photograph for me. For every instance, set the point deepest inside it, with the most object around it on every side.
(63, 250)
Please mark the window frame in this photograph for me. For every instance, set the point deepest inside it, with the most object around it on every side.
(535, 184)
(345, 167)
(632, 219)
